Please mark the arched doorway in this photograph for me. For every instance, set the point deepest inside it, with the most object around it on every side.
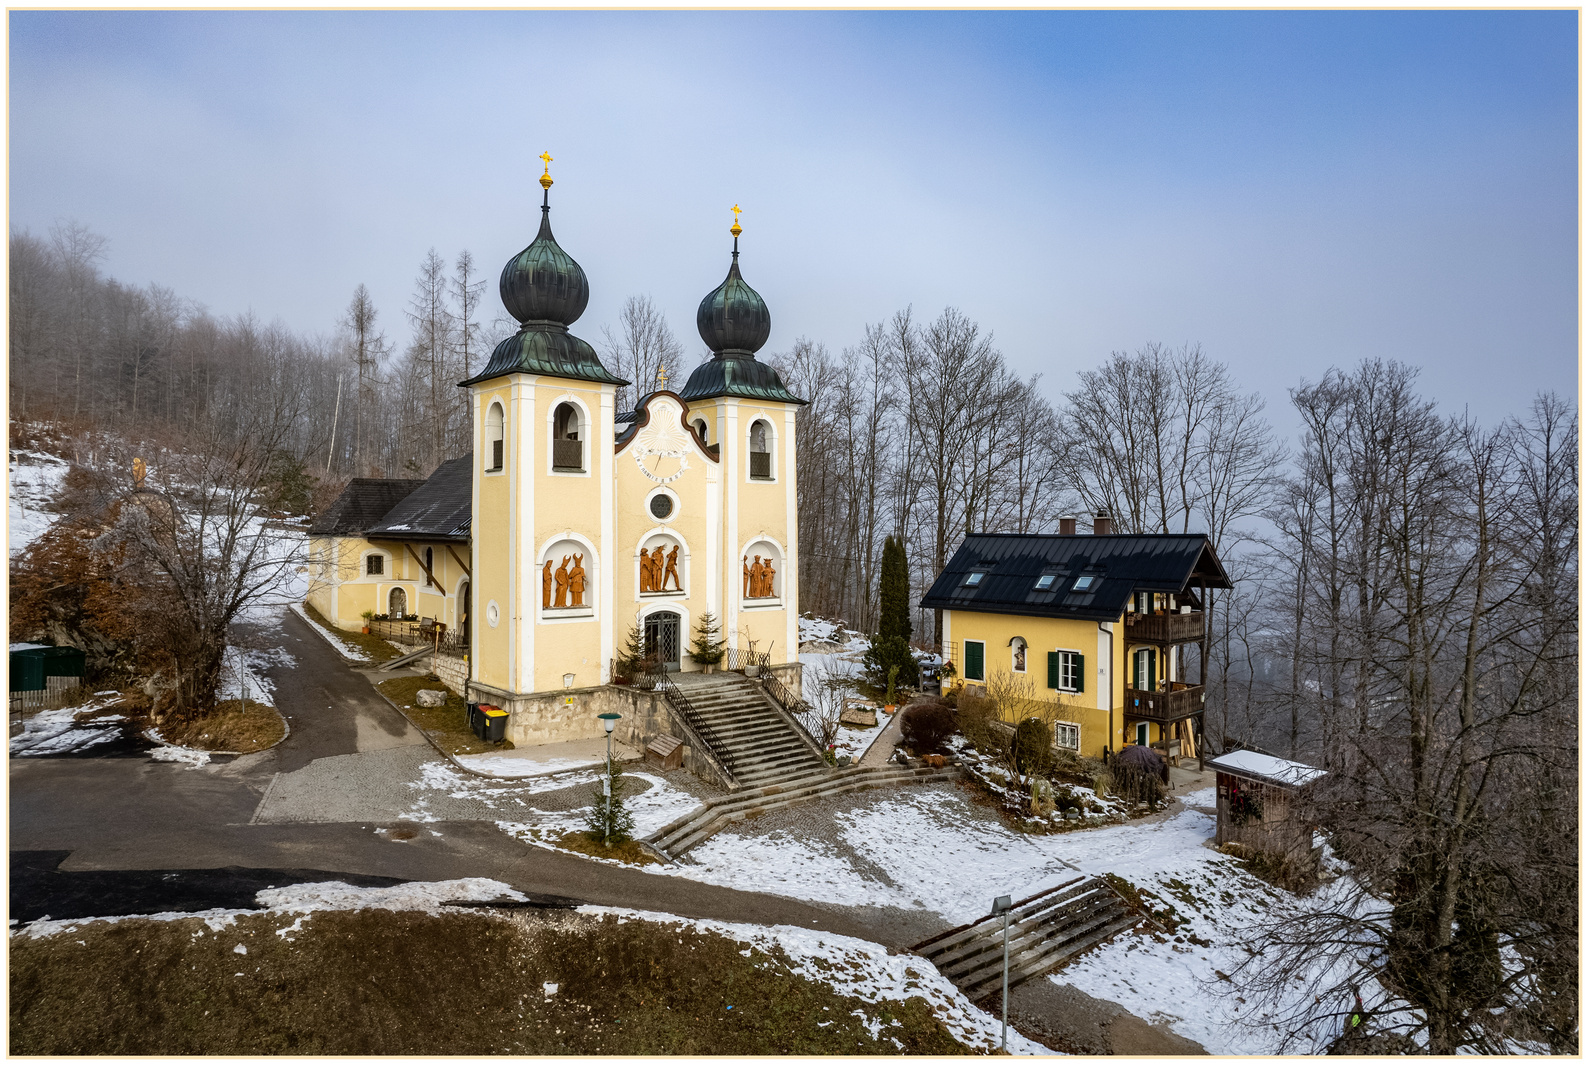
(397, 604)
(663, 633)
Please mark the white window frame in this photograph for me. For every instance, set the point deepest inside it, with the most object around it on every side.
(1073, 731)
(771, 444)
(495, 406)
(1068, 669)
(583, 415)
(385, 558)
(964, 658)
(1140, 726)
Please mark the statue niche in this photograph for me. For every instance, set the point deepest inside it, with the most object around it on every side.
(760, 579)
(659, 572)
(563, 581)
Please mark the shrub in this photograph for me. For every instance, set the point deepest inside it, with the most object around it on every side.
(1033, 747)
(977, 721)
(927, 727)
(1137, 783)
(883, 655)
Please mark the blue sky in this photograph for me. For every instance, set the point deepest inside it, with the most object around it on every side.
(1292, 190)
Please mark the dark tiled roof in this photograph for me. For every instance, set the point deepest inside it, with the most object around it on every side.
(439, 509)
(1120, 563)
(362, 503)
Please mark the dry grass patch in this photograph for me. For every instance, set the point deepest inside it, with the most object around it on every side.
(236, 726)
(624, 851)
(378, 649)
(384, 982)
(447, 724)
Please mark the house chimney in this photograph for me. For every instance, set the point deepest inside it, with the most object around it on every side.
(1066, 526)
(1102, 524)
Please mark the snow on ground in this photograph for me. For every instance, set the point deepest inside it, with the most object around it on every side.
(858, 968)
(241, 667)
(855, 741)
(512, 768)
(352, 652)
(54, 731)
(193, 759)
(35, 482)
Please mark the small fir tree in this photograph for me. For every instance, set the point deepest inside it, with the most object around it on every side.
(894, 592)
(608, 819)
(631, 654)
(707, 648)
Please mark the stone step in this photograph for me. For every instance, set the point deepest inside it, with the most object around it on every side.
(948, 943)
(1053, 956)
(964, 961)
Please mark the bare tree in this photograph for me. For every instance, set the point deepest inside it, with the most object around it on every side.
(643, 351)
(369, 349)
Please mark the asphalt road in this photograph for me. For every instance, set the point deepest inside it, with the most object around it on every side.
(134, 815)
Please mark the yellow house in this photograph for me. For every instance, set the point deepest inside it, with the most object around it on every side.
(1096, 623)
(579, 523)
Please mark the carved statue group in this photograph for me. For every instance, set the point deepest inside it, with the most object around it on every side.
(568, 581)
(656, 574)
(758, 579)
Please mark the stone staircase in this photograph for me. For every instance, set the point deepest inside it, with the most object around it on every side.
(1045, 930)
(677, 837)
(763, 745)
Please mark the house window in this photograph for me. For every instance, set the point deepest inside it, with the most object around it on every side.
(1144, 670)
(1066, 671)
(430, 561)
(975, 660)
(374, 565)
(495, 435)
(760, 453)
(974, 578)
(1017, 654)
(1067, 736)
(1045, 582)
(1084, 583)
(567, 452)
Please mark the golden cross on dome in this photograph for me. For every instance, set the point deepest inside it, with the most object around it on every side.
(736, 212)
(661, 376)
(545, 177)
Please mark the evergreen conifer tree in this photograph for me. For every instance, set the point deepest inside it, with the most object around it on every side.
(707, 647)
(608, 819)
(894, 592)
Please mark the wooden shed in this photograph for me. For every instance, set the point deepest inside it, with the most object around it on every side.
(41, 674)
(1259, 804)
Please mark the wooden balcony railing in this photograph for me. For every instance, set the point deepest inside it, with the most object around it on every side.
(1176, 703)
(1164, 629)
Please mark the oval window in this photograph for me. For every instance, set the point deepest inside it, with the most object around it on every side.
(661, 506)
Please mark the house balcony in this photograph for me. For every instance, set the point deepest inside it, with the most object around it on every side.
(1164, 629)
(1180, 701)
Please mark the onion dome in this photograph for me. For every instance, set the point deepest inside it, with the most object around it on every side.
(545, 290)
(734, 322)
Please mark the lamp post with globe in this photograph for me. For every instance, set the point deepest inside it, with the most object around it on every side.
(610, 721)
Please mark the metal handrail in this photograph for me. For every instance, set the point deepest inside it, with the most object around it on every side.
(797, 708)
(687, 712)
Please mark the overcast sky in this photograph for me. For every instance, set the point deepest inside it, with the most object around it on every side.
(1291, 190)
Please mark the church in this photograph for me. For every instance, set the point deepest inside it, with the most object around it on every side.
(571, 524)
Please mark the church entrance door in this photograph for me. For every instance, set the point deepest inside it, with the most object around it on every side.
(662, 638)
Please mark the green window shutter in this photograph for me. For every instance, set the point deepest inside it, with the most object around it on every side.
(1053, 671)
(1079, 662)
(974, 651)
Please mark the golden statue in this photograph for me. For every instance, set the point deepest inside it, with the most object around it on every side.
(139, 471)
(561, 577)
(672, 571)
(545, 177)
(576, 581)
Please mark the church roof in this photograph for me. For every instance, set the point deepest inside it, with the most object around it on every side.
(439, 509)
(1093, 576)
(746, 377)
(361, 504)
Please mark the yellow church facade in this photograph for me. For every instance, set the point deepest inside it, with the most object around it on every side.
(573, 530)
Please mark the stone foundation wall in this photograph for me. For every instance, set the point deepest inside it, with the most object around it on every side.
(566, 715)
(453, 671)
(792, 676)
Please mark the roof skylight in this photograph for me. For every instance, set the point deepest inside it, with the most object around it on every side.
(1084, 583)
(974, 577)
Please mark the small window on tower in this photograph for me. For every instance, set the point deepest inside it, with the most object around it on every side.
(495, 436)
(760, 455)
(700, 429)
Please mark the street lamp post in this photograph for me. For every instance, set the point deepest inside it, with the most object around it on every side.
(1002, 906)
(610, 719)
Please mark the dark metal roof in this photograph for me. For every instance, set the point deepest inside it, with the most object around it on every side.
(742, 376)
(1119, 563)
(546, 348)
(733, 318)
(439, 509)
(362, 503)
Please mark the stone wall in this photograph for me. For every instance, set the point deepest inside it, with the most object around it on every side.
(453, 671)
(567, 715)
